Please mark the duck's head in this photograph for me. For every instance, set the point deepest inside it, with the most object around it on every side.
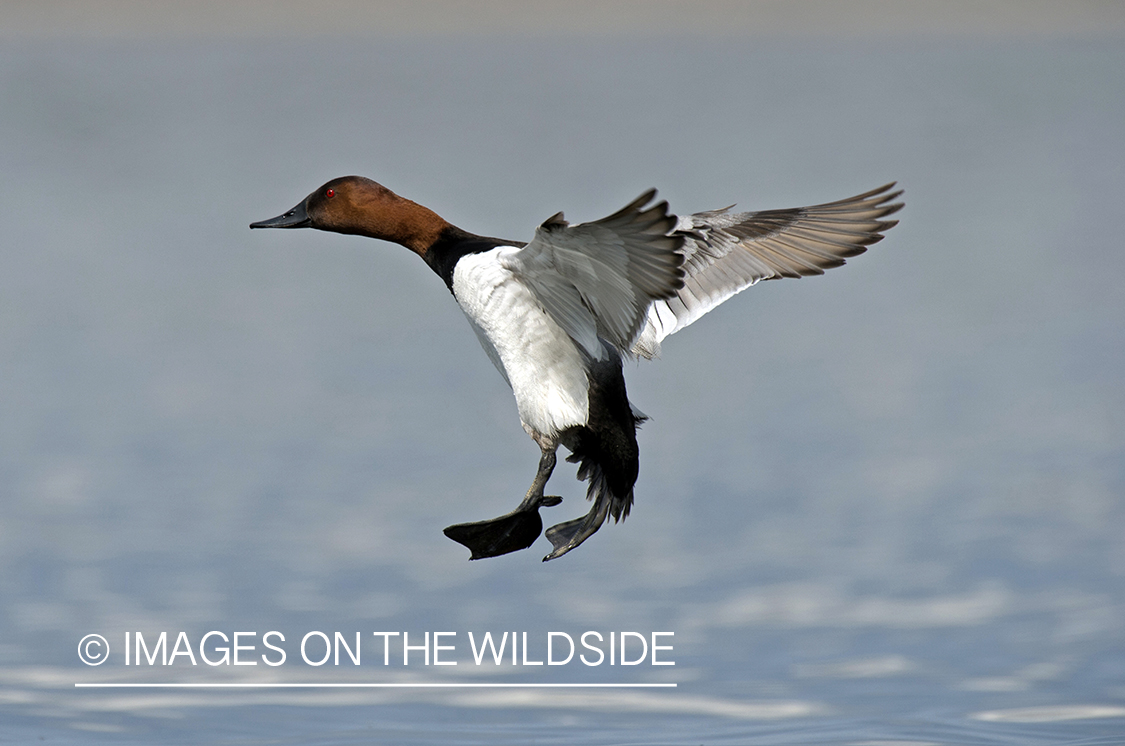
(356, 205)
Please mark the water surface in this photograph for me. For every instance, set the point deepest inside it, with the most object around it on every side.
(882, 506)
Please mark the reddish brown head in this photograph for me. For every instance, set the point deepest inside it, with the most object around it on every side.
(353, 204)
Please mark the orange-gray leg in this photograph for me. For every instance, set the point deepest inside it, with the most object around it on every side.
(516, 530)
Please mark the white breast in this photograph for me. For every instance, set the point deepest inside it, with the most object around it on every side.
(540, 361)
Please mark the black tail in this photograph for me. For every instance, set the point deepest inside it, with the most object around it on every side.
(610, 468)
(608, 457)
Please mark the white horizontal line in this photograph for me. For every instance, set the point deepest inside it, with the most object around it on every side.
(364, 685)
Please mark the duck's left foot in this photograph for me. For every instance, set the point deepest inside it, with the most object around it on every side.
(508, 533)
(568, 535)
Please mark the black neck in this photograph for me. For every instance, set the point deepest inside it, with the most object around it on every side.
(454, 243)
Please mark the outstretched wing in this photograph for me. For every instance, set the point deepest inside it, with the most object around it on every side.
(599, 279)
(725, 253)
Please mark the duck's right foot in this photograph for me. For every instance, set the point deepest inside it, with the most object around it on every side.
(508, 533)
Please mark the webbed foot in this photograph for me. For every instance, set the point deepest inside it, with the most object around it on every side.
(516, 530)
(568, 535)
(508, 533)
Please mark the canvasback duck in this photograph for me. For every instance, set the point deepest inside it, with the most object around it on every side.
(558, 315)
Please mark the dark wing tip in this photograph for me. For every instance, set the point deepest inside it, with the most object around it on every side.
(645, 197)
(555, 222)
(892, 209)
(635, 206)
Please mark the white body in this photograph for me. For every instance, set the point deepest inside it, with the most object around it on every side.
(540, 361)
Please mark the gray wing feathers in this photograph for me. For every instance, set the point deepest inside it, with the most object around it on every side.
(725, 253)
(598, 279)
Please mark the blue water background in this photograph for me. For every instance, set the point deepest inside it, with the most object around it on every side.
(882, 506)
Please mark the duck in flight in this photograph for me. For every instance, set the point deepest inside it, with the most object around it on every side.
(557, 315)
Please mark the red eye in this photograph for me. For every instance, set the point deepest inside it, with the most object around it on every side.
(330, 193)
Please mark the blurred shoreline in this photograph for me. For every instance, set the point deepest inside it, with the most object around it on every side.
(828, 18)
